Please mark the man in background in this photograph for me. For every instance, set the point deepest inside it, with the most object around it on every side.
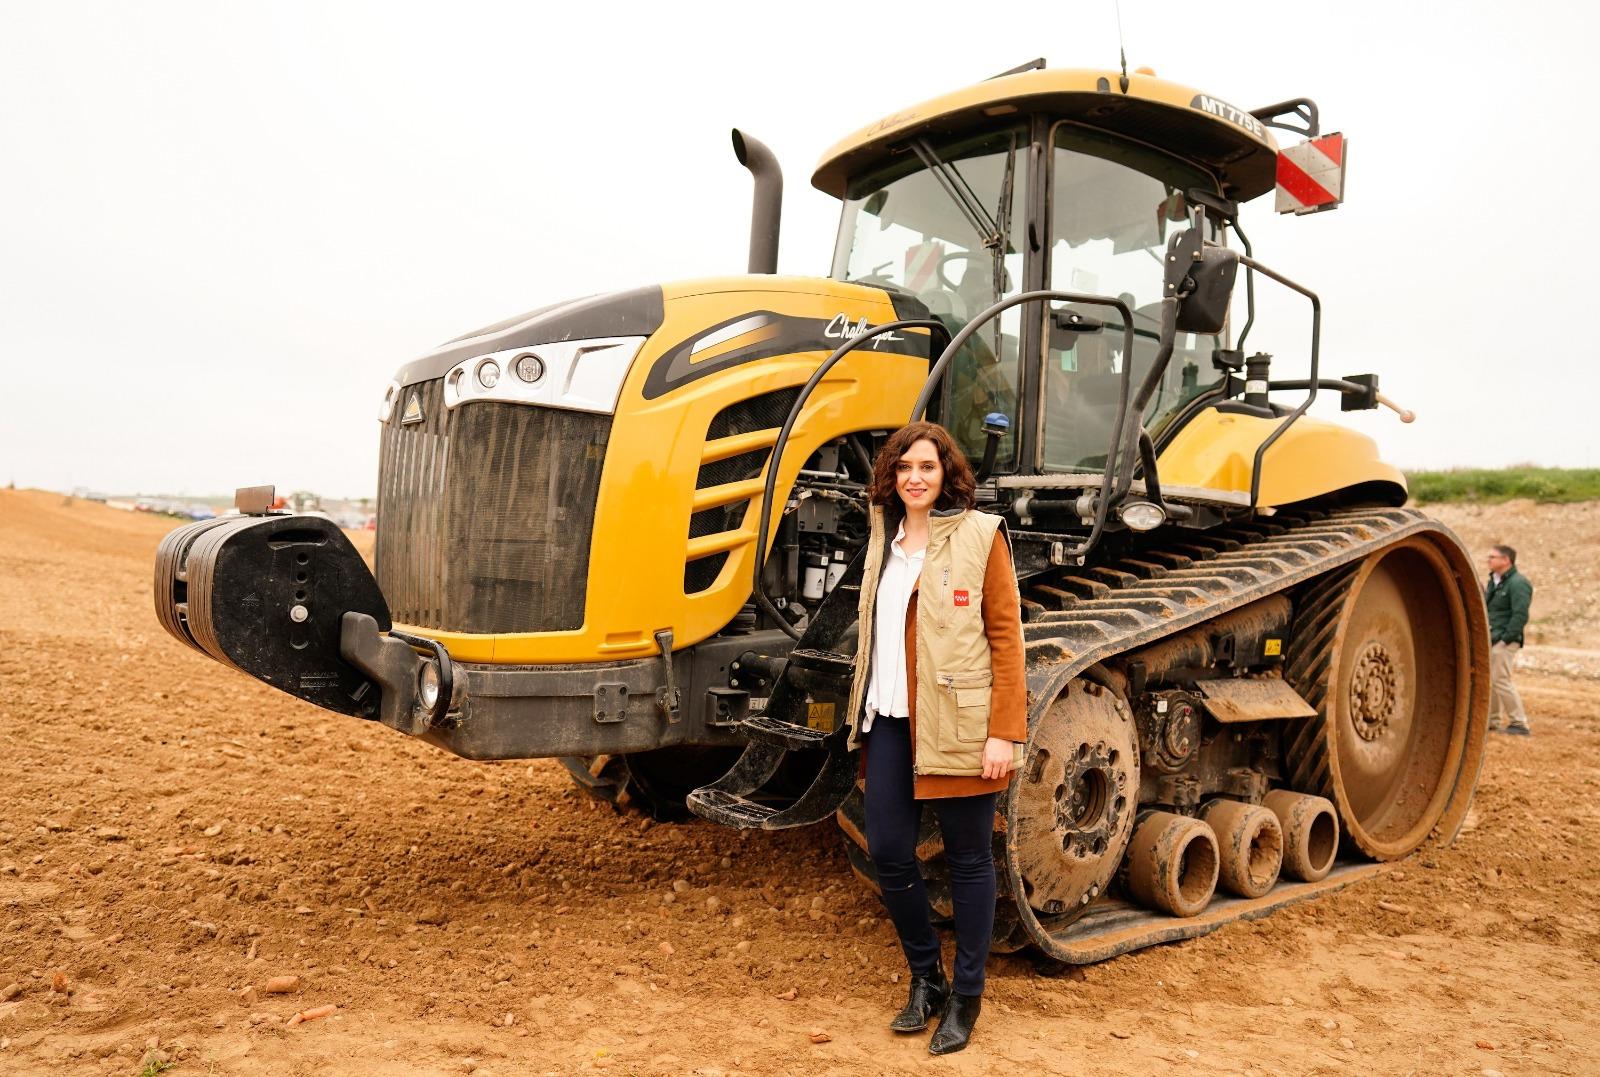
(1508, 596)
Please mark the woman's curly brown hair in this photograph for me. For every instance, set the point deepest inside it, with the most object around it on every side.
(959, 487)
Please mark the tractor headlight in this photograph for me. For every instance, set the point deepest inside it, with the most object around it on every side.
(1141, 515)
(529, 367)
(574, 375)
(428, 684)
(386, 409)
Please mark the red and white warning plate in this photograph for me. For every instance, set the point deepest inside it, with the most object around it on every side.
(1311, 175)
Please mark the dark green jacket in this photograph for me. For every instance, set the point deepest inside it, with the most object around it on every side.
(1508, 606)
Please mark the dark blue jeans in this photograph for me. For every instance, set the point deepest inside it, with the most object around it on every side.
(967, 824)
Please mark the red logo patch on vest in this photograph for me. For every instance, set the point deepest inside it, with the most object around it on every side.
(962, 598)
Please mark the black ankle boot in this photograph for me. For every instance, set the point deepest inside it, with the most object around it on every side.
(955, 1026)
(927, 995)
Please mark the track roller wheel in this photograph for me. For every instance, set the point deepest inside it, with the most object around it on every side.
(1310, 833)
(1249, 846)
(1384, 651)
(1172, 863)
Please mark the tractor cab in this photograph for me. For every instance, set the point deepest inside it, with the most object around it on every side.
(1047, 180)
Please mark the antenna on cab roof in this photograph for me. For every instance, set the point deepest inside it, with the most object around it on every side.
(1122, 49)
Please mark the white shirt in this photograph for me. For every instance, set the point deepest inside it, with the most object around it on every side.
(886, 688)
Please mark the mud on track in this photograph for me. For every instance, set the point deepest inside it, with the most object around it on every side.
(172, 833)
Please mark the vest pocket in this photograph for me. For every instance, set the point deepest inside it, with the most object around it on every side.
(965, 694)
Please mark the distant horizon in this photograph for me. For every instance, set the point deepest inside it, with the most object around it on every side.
(227, 498)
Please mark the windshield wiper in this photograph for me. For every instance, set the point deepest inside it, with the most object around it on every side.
(991, 231)
(1002, 230)
(956, 186)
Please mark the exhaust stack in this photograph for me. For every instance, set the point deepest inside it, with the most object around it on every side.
(768, 204)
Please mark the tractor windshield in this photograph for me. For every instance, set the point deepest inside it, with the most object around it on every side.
(1113, 205)
(939, 222)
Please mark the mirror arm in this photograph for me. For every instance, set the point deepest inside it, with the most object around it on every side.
(1114, 463)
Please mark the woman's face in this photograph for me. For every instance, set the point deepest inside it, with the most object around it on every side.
(919, 476)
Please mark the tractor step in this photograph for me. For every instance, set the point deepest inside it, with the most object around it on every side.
(785, 735)
(738, 799)
(730, 810)
(804, 725)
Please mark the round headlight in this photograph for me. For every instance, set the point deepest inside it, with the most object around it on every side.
(390, 395)
(1141, 515)
(488, 373)
(428, 684)
(529, 367)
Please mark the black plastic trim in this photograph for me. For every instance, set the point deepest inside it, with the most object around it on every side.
(615, 314)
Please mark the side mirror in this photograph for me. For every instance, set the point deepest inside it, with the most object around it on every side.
(1201, 279)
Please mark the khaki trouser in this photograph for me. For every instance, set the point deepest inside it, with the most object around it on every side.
(1505, 705)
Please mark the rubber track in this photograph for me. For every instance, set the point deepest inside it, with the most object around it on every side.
(1104, 610)
(1310, 655)
(1074, 618)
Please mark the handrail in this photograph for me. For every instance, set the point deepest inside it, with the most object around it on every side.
(1114, 454)
(1316, 338)
(932, 325)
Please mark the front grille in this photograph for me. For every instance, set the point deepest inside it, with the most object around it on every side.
(764, 412)
(747, 465)
(485, 514)
(700, 575)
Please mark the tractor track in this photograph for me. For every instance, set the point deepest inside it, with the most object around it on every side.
(1076, 618)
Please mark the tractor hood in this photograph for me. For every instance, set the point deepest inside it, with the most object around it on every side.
(640, 312)
(636, 313)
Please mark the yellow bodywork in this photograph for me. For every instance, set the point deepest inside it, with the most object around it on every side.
(658, 442)
(1216, 451)
(647, 487)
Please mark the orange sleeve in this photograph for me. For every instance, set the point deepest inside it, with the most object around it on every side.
(1002, 623)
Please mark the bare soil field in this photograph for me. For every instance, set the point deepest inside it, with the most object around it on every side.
(174, 836)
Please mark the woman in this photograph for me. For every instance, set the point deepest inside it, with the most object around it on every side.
(940, 708)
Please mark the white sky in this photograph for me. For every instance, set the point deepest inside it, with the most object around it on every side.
(224, 226)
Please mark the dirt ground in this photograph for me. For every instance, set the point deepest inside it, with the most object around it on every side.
(174, 834)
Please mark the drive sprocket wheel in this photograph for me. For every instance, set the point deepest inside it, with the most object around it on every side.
(1384, 652)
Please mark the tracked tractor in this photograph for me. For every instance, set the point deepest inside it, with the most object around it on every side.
(627, 530)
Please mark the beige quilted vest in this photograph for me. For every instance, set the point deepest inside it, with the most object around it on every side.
(953, 671)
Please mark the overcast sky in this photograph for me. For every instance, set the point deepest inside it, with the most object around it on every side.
(224, 226)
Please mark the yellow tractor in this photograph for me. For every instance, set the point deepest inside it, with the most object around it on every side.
(626, 531)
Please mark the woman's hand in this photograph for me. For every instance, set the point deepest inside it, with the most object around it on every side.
(998, 757)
